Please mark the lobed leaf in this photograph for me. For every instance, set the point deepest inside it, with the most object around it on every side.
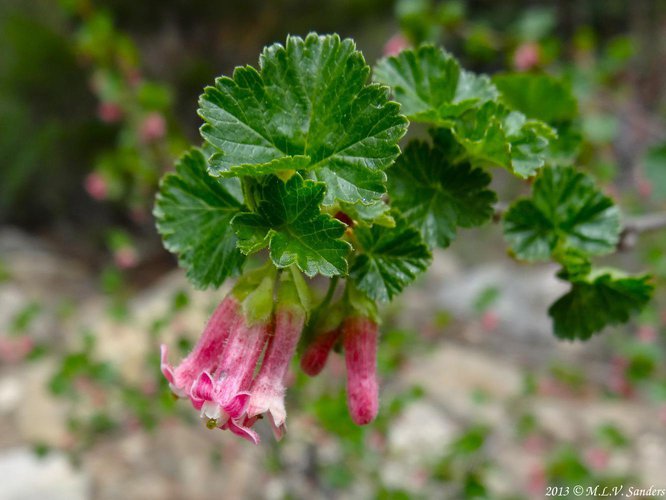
(432, 88)
(430, 85)
(566, 211)
(288, 220)
(388, 259)
(438, 195)
(307, 108)
(193, 212)
(549, 99)
(602, 300)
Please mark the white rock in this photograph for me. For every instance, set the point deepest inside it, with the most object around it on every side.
(28, 477)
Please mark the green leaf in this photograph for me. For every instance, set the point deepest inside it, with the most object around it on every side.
(576, 265)
(288, 220)
(432, 88)
(193, 212)
(307, 108)
(566, 211)
(494, 135)
(388, 259)
(538, 96)
(437, 195)
(546, 98)
(430, 85)
(606, 298)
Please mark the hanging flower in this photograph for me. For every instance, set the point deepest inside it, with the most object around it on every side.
(268, 390)
(206, 353)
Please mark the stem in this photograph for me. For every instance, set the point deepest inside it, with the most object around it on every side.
(316, 312)
(634, 226)
(332, 285)
(248, 194)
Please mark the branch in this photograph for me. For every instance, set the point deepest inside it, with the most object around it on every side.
(634, 226)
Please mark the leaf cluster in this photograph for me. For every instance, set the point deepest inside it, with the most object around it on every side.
(301, 159)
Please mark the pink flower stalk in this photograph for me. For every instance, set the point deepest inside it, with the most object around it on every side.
(223, 397)
(316, 354)
(268, 388)
(96, 186)
(205, 355)
(360, 345)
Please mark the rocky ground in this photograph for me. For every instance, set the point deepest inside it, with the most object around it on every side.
(472, 370)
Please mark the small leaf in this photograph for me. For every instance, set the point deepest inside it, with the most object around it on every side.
(493, 135)
(193, 212)
(566, 211)
(432, 88)
(388, 259)
(307, 108)
(591, 305)
(288, 220)
(537, 96)
(546, 98)
(576, 265)
(436, 195)
(430, 85)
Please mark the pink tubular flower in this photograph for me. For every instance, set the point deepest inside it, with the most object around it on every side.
(205, 355)
(268, 388)
(360, 345)
(224, 396)
(315, 356)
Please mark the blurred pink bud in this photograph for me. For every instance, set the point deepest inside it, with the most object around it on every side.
(617, 380)
(126, 257)
(96, 186)
(152, 128)
(395, 45)
(597, 458)
(537, 481)
(133, 77)
(109, 112)
(534, 444)
(360, 345)
(527, 56)
(490, 321)
(14, 349)
(644, 187)
(647, 334)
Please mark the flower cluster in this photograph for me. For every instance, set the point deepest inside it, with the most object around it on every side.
(235, 374)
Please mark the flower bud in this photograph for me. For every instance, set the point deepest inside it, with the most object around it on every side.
(360, 345)
(316, 354)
